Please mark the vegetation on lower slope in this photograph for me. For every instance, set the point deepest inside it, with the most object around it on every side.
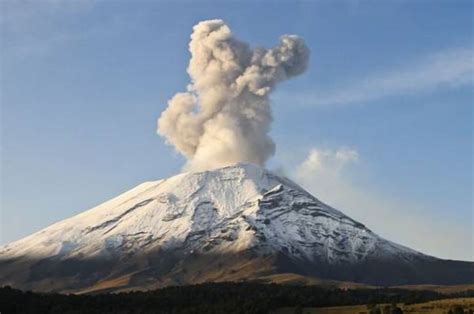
(209, 298)
(445, 306)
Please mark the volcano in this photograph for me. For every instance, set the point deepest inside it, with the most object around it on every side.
(238, 223)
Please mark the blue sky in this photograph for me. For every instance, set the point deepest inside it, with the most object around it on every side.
(83, 82)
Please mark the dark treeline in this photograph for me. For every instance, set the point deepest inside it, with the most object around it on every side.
(207, 298)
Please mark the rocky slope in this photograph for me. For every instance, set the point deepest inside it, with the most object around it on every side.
(235, 223)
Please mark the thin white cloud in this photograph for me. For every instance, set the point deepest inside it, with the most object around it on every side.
(448, 69)
(32, 27)
(327, 174)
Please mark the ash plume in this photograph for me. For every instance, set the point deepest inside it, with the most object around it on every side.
(224, 117)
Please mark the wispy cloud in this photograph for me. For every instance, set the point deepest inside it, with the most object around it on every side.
(31, 27)
(443, 70)
(328, 175)
(26, 15)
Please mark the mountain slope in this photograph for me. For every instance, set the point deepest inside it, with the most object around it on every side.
(235, 223)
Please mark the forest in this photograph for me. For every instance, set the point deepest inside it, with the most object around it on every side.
(209, 298)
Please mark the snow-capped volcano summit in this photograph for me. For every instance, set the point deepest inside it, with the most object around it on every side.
(234, 223)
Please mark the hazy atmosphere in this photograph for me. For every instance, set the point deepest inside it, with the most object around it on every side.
(369, 107)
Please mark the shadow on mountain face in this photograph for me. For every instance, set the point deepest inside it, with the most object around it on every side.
(173, 267)
(393, 272)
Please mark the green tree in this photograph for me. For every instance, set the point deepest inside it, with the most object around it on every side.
(457, 309)
(298, 310)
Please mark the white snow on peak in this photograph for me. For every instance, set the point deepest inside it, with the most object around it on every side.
(229, 209)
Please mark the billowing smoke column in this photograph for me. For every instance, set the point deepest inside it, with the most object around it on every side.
(225, 116)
